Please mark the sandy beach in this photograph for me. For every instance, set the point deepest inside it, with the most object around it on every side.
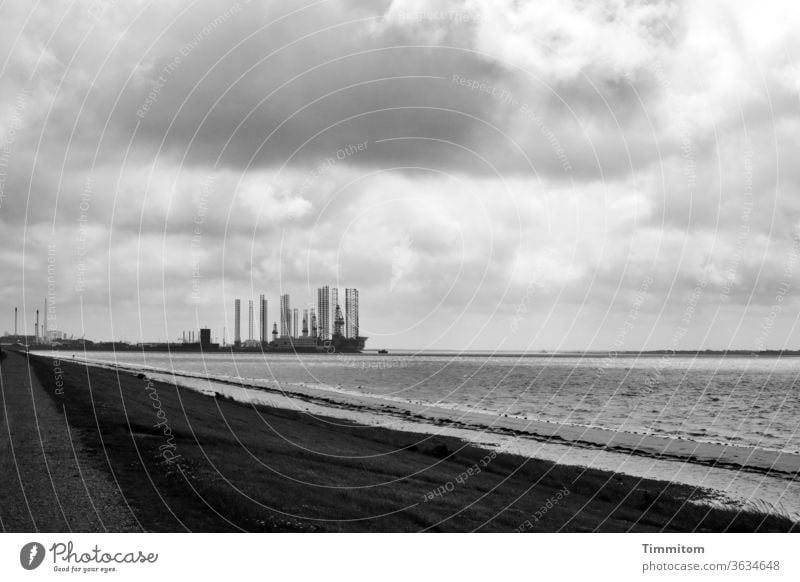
(182, 460)
(753, 459)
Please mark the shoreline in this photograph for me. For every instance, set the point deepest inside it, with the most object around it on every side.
(757, 460)
(342, 442)
(369, 352)
(757, 486)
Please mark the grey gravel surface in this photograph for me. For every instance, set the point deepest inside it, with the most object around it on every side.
(49, 481)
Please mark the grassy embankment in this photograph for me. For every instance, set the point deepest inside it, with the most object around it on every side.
(239, 467)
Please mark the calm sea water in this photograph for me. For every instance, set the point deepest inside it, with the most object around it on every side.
(735, 400)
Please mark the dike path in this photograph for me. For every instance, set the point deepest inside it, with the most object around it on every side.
(50, 481)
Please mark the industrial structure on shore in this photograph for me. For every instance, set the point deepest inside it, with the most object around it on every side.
(42, 333)
(324, 327)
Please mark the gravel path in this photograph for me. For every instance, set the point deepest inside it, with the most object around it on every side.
(49, 481)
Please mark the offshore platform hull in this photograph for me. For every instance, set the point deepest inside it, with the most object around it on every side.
(335, 345)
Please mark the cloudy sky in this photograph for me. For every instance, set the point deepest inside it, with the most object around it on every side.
(490, 175)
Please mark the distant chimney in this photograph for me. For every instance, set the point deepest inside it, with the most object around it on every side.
(36, 328)
(15, 321)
